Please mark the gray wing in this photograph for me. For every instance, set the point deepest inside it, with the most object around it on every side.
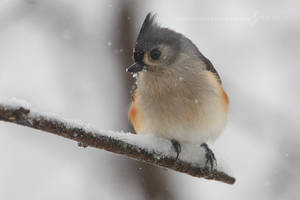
(210, 67)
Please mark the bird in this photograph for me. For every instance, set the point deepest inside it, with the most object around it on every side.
(179, 94)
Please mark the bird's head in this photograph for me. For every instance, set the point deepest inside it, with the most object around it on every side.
(160, 48)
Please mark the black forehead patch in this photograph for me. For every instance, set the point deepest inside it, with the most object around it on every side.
(151, 34)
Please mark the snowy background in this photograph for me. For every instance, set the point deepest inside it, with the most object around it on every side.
(69, 57)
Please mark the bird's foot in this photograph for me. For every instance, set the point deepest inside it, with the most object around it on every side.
(177, 147)
(210, 156)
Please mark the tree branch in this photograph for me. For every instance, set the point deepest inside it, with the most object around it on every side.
(155, 151)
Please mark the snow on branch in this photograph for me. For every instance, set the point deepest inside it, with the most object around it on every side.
(146, 148)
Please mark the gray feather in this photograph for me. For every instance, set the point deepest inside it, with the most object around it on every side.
(151, 34)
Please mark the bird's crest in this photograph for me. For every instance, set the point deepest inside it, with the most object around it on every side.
(148, 24)
(151, 34)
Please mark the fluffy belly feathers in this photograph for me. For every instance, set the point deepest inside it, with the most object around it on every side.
(189, 121)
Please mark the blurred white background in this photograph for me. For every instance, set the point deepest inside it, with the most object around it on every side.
(69, 57)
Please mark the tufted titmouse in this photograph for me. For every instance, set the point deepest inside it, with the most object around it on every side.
(179, 93)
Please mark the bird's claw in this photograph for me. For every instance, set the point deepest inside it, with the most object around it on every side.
(177, 147)
(210, 156)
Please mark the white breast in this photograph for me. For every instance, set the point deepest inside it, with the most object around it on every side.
(181, 109)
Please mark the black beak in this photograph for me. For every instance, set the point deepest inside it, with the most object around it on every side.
(135, 67)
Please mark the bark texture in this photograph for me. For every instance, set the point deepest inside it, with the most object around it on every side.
(85, 138)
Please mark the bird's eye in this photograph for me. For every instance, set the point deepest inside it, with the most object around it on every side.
(155, 54)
